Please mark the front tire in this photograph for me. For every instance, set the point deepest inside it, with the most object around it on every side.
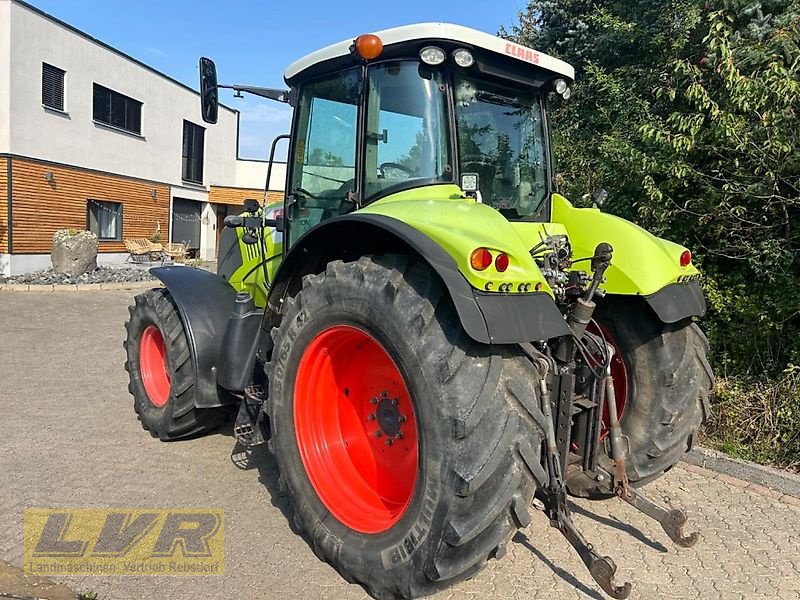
(161, 375)
(666, 386)
(462, 476)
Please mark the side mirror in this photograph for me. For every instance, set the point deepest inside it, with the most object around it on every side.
(209, 96)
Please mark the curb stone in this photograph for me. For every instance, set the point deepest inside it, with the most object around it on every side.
(765, 481)
(79, 287)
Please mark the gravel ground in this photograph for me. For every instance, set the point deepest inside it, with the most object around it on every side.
(99, 275)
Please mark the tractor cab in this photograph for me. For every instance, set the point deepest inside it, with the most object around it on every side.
(420, 106)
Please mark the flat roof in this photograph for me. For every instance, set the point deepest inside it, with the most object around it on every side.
(110, 48)
(439, 31)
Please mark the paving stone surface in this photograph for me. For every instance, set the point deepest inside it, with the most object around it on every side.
(70, 439)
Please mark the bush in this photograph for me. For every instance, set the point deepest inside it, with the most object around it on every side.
(686, 112)
(758, 420)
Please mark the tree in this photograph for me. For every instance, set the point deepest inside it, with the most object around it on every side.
(687, 112)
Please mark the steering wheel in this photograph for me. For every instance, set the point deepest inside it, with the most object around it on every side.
(392, 165)
(305, 193)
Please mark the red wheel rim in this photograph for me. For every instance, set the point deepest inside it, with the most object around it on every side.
(356, 429)
(619, 373)
(153, 366)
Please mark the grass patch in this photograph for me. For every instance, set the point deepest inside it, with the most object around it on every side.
(757, 420)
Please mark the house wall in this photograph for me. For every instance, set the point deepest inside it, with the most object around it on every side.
(91, 160)
(237, 196)
(253, 173)
(41, 208)
(249, 183)
(5, 70)
(73, 137)
(3, 205)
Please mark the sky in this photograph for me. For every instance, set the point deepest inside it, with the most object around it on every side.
(253, 42)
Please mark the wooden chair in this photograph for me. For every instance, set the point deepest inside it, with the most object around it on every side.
(142, 250)
(139, 250)
(176, 251)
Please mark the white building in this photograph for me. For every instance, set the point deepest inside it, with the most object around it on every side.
(93, 138)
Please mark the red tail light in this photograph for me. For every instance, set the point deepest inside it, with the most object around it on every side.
(686, 258)
(501, 262)
(480, 259)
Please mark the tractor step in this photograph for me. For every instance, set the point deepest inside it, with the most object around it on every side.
(247, 429)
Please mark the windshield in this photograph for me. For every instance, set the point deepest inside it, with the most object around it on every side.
(406, 142)
(501, 139)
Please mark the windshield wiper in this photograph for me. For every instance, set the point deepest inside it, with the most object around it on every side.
(497, 99)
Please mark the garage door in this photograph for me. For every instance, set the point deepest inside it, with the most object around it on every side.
(186, 221)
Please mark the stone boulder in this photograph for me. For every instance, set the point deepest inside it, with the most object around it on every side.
(74, 252)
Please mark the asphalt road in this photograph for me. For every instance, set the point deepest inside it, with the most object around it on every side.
(70, 439)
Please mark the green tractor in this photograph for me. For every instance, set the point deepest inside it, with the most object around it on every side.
(428, 337)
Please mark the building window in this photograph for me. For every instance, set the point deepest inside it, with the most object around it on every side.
(193, 137)
(104, 219)
(117, 110)
(52, 87)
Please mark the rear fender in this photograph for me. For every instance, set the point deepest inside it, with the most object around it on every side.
(642, 265)
(205, 302)
(487, 318)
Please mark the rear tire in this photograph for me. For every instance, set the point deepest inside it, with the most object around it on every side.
(163, 394)
(478, 428)
(669, 381)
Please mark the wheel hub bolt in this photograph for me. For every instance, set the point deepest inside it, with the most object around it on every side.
(394, 401)
(389, 442)
(371, 417)
(402, 418)
(399, 435)
(378, 433)
(384, 394)
(373, 400)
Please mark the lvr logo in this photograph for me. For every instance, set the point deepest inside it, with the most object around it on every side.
(121, 531)
(124, 542)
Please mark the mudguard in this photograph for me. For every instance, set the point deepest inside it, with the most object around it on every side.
(205, 302)
(495, 318)
(678, 301)
(643, 264)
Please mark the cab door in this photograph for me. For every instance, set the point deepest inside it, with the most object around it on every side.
(323, 182)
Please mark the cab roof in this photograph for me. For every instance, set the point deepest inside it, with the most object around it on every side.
(431, 33)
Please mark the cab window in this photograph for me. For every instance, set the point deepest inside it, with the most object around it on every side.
(324, 161)
(406, 139)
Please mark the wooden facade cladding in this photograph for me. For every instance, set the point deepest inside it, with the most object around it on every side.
(40, 207)
(3, 205)
(237, 196)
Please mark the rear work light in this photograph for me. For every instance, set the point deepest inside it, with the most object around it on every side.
(480, 259)
(463, 58)
(686, 258)
(431, 55)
